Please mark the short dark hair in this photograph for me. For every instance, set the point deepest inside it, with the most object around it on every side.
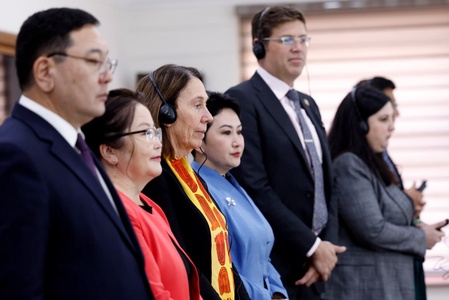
(219, 101)
(377, 82)
(272, 17)
(45, 32)
(118, 117)
(345, 134)
(171, 80)
(215, 104)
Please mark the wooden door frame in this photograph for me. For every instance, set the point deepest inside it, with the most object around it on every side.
(7, 43)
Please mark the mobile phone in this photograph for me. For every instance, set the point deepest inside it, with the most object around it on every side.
(422, 186)
(447, 222)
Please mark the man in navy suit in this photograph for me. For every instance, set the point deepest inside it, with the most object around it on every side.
(64, 233)
(276, 165)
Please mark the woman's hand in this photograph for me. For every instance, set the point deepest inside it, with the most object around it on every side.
(417, 197)
(433, 234)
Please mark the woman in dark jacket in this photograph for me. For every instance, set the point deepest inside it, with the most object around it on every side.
(177, 99)
(375, 216)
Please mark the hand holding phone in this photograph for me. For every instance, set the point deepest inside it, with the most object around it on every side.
(422, 186)
(446, 222)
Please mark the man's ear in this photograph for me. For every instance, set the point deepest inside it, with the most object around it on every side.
(43, 72)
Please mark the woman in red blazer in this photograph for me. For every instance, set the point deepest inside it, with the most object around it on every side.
(129, 147)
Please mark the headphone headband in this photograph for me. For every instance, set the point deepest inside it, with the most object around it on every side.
(259, 48)
(259, 30)
(156, 87)
(167, 114)
(363, 124)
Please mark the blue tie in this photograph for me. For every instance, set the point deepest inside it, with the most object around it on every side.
(319, 207)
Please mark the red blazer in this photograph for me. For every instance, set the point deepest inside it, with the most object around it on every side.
(164, 266)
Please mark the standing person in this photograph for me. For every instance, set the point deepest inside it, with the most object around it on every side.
(376, 217)
(177, 99)
(128, 145)
(64, 233)
(387, 86)
(288, 180)
(251, 237)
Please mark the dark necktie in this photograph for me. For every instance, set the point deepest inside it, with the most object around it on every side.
(319, 208)
(86, 154)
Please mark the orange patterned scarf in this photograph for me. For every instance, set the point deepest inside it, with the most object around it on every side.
(222, 277)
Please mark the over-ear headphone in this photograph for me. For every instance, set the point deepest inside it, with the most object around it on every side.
(167, 113)
(259, 48)
(363, 125)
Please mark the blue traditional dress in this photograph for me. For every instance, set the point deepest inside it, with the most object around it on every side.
(250, 235)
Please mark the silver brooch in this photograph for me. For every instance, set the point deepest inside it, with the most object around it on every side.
(230, 201)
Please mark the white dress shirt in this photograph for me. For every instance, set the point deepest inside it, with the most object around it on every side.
(280, 89)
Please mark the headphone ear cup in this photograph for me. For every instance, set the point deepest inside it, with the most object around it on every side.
(259, 50)
(167, 114)
(364, 127)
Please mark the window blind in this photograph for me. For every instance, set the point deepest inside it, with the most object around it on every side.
(409, 46)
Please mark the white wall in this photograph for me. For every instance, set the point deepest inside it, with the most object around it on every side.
(14, 12)
(201, 36)
(438, 292)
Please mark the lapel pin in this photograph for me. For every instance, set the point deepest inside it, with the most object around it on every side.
(230, 201)
(306, 102)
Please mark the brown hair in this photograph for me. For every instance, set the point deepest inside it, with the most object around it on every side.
(117, 119)
(171, 80)
(273, 17)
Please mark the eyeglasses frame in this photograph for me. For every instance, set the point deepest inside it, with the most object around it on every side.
(157, 132)
(106, 65)
(303, 40)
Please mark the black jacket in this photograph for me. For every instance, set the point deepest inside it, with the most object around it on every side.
(190, 228)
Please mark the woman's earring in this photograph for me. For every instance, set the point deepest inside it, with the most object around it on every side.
(114, 161)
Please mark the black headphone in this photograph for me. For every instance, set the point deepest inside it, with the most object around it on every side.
(167, 113)
(363, 125)
(259, 48)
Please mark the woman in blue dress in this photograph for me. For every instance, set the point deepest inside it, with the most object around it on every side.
(251, 237)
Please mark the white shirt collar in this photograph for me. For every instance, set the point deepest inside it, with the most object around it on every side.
(68, 132)
(279, 87)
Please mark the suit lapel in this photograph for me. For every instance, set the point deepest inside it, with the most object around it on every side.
(404, 203)
(63, 152)
(275, 109)
(75, 163)
(123, 219)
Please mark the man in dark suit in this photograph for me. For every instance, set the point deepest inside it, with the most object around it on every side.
(283, 175)
(64, 233)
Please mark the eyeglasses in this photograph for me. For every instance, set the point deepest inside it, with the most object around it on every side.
(150, 133)
(289, 40)
(101, 65)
